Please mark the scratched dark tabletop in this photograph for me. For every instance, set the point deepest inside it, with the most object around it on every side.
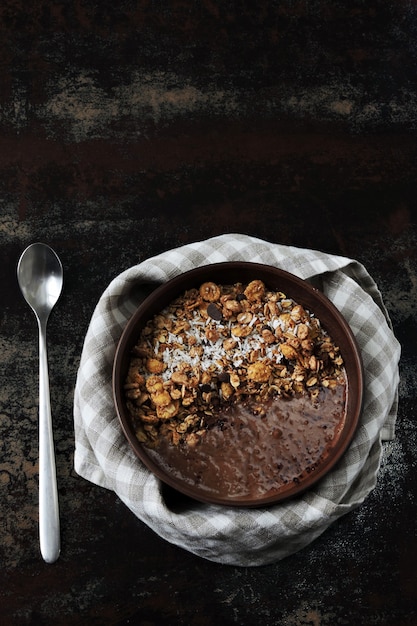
(129, 128)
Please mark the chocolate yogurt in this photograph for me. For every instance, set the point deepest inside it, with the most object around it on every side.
(255, 451)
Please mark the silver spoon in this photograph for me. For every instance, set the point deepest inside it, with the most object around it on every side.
(40, 277)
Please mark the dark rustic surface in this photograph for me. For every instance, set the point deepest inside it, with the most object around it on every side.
(128, 128)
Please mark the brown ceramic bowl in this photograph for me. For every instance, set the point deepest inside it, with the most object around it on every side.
(275, 279)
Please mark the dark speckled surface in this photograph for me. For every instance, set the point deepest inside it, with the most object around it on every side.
(128, 128)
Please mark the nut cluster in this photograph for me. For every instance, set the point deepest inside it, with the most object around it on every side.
(222, 344)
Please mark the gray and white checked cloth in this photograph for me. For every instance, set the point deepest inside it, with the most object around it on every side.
(230, 535)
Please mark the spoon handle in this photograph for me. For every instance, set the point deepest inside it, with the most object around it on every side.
(49, 528)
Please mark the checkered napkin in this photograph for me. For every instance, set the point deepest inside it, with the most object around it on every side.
(237, 536)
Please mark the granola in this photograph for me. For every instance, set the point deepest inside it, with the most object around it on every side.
(222, 344)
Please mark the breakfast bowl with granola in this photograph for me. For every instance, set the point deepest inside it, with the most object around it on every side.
(238, 383)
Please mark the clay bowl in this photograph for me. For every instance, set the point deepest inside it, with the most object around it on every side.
(301, 292)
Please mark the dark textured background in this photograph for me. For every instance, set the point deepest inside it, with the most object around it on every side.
(128, 128)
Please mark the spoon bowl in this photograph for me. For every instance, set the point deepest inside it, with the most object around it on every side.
(40, 277)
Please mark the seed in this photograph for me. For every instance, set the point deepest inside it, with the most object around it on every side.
(214, 312)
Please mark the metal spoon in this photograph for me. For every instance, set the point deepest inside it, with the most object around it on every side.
(40, 277)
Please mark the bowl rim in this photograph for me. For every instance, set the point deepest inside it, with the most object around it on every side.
(166, 292)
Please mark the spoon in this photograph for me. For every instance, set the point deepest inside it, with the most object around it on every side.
(39, 274)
